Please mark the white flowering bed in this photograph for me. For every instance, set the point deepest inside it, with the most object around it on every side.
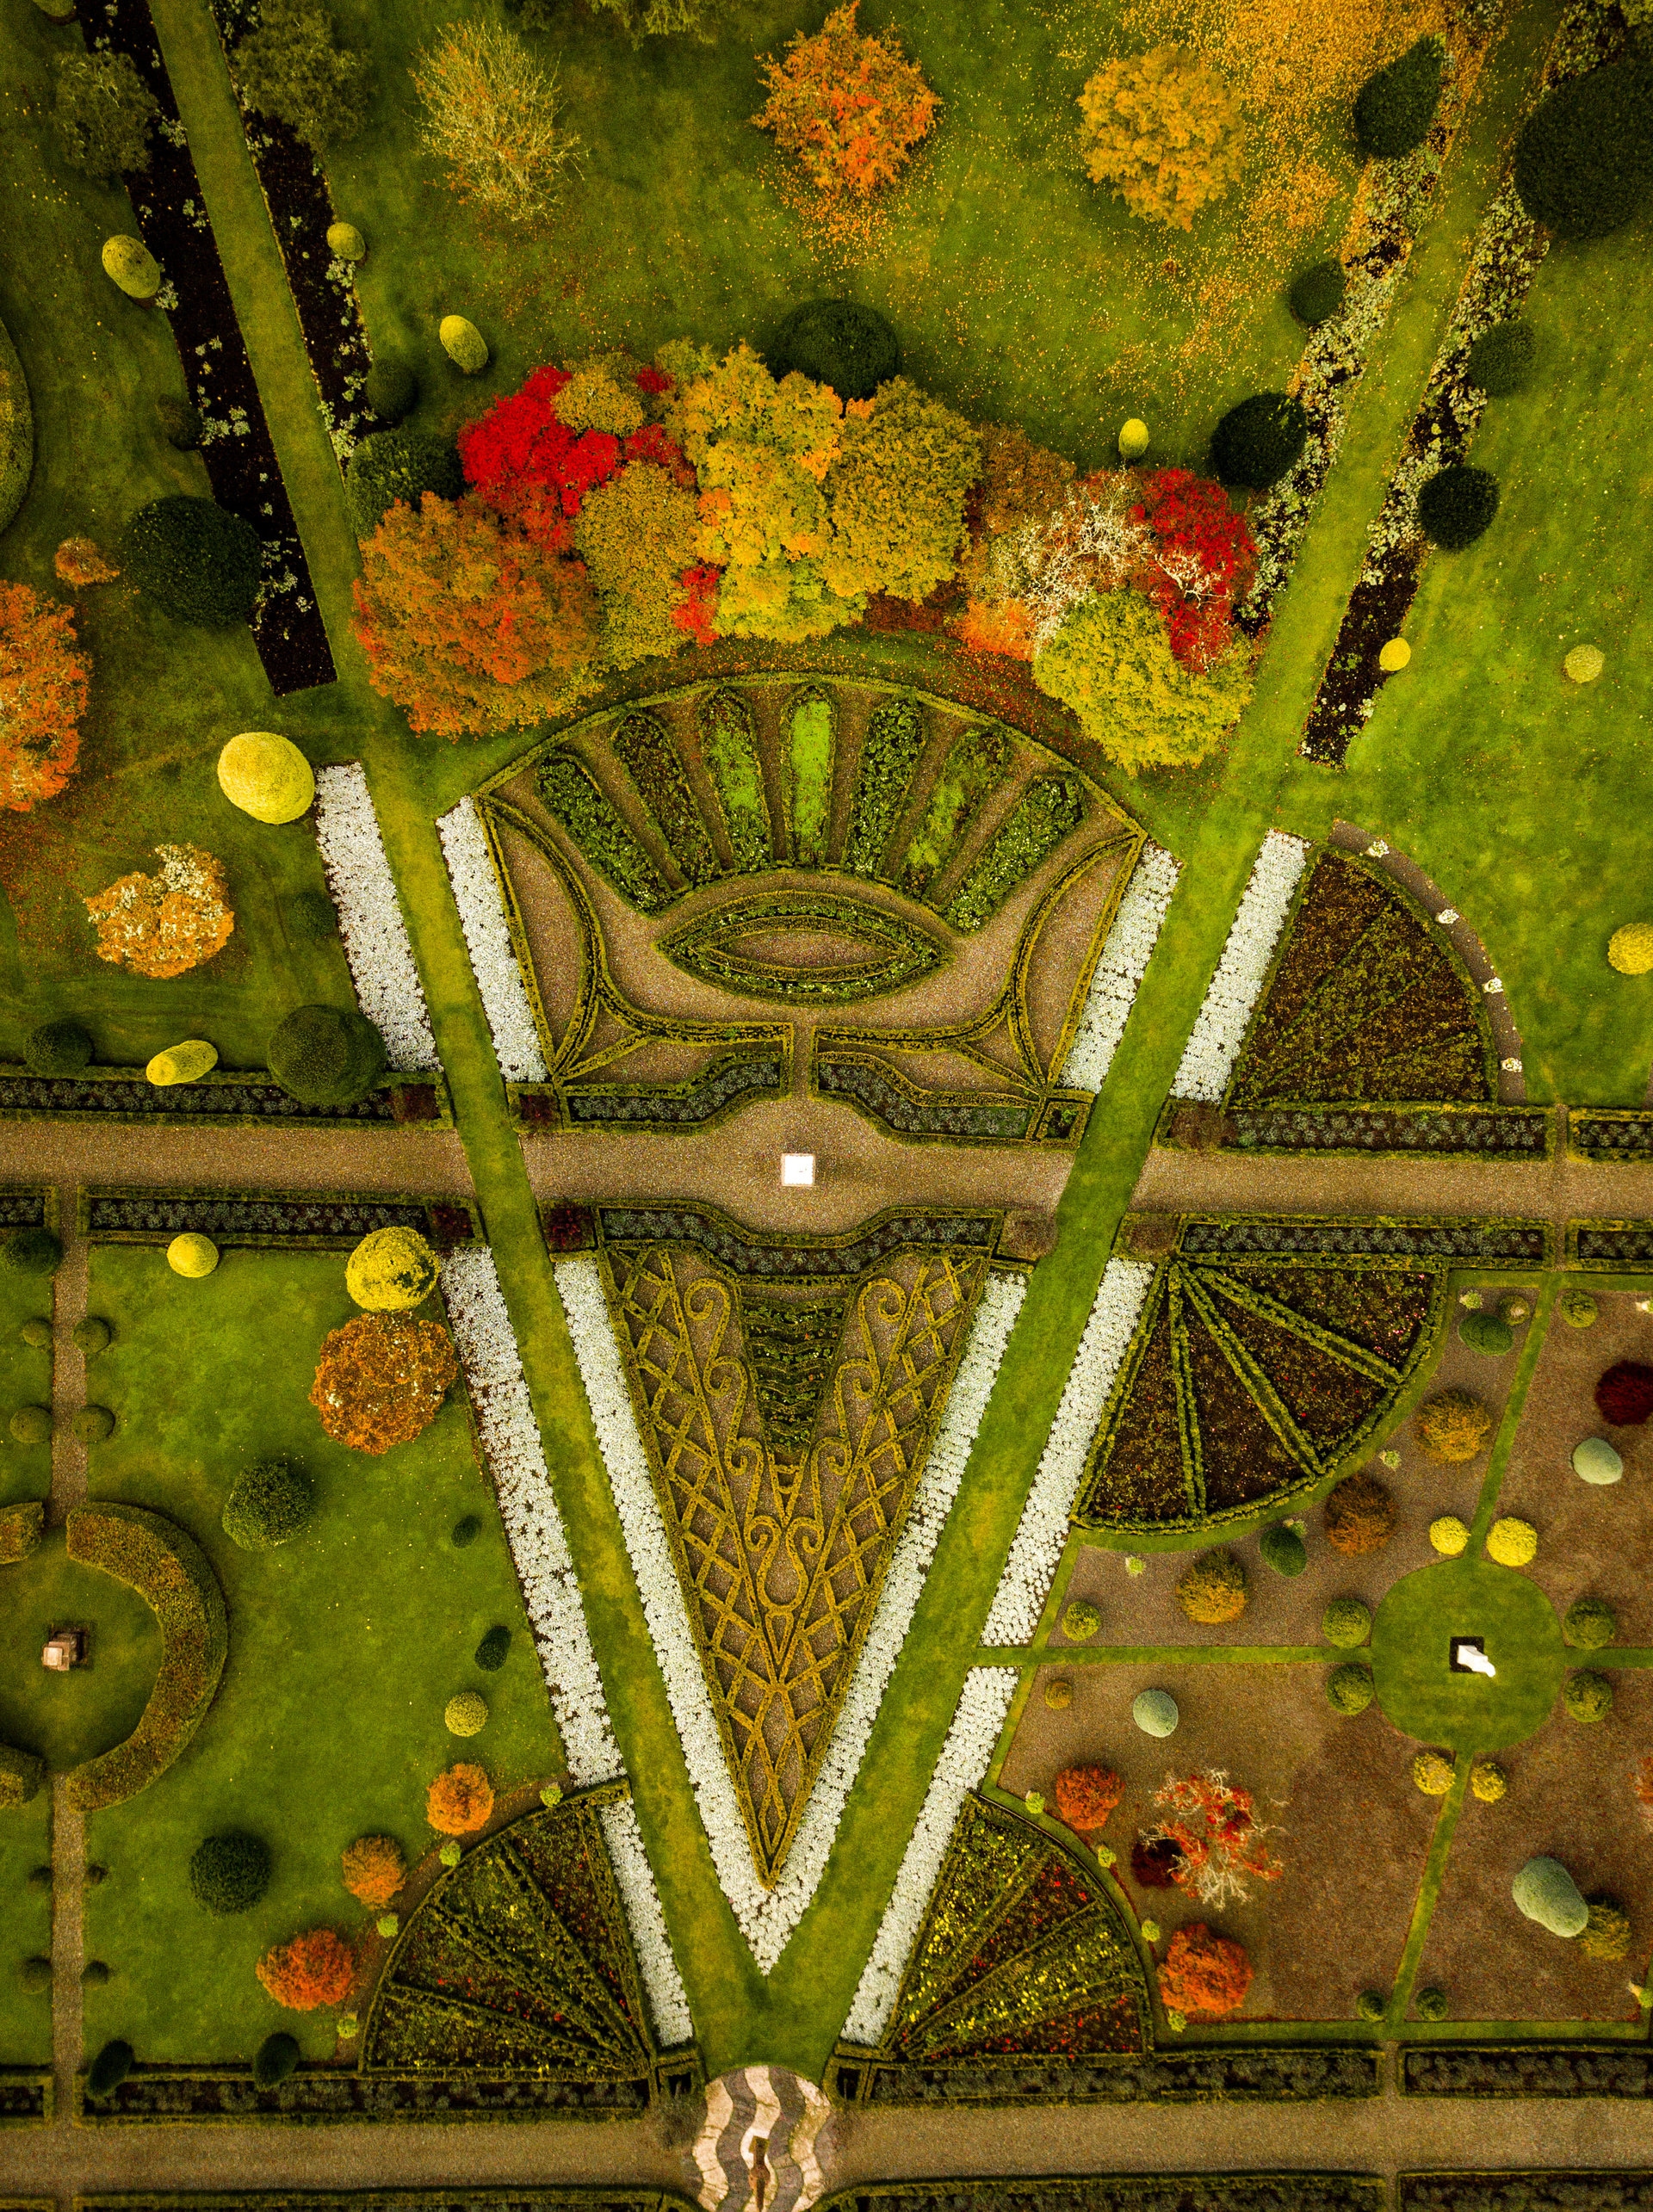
(1043, 1530)
(768, 1917)
(963, 1761)
(488, 938)
(1136, 925)
(1219, 1029)
(662, 1983)
(370, 924)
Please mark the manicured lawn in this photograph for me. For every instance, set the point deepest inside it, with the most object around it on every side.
(1410, 1642)
(344, 1645)
(67, 1718)
(26, 1917)
(25, 1380)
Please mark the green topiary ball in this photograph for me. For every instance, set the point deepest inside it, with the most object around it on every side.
(1256, 442)
(229, 1871)
(1587, 1695)
(1457, 505)
(1371, 2005)
(392, 390)
(1346, 1622)
(275, 2060)
(37, 1335)
(198, 562)
(1499, 363)
(268, 1505)
(326, 1055)
(181, 422)
(58, 1049)
(95, 1975)
(92, 1423)
(840, 343)
(393, 465)
(1283, 1549)
(1349, 1688)
(1590, 1622)
(110, 2069)
(1546, 1892)
(466, 1532)
(1394, 109)
(1318, 292)
(1584, 158)
(1486, 1332)
(312, 917)
(31, 1252)
(31, 1424)
(35, 1974)
(90, 1334)
(1080, 1620)
(491, 1651)
(1430, 2004)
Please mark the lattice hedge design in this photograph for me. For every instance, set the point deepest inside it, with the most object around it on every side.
(885, 953)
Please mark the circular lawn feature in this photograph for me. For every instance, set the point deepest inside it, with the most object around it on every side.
(1415, 1684)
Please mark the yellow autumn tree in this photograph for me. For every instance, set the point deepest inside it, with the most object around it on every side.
(636, 534)
(1162, 129)
(895, 494)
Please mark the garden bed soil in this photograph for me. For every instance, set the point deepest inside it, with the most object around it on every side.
(1324, 1785)
(1593, 1541)
(1570, 1798)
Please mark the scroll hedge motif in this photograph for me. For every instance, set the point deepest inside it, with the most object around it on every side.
(1367, 1001)
(889, 753)
(584, 811)
(1248, 1381)
(519, 1961)
(1047, 811)
(969, 775)
(651, 759)
(895, 955)
(784, 1454)
(730, 752)
(809, 755)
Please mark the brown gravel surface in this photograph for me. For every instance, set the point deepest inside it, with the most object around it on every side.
(70, 1152)
(1556, 1189)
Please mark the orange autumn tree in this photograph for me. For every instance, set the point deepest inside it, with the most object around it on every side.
(374, 1869)
(381, 1379)
(850, 107)
(316, 1969)
(470, 626)
(168, 923)
(460, 1800)
(1204, 1975)
(42, 698)
(1086, 1796)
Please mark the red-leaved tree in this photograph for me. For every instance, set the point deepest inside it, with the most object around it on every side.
(526, 462)
(1201, 560)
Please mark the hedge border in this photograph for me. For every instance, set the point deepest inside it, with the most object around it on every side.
(1401, 1115)
(1637, 1121)
(619, 2196)
(27, 2096)
(449, 1222)
(1299, 2191)
(21, 1772)
(1515, 2070)
(1515, 2191)
(1212, 2073)
(155, 2096)
(54, 1098)
(28, 1206)
(1585, 1241)
(912, 956)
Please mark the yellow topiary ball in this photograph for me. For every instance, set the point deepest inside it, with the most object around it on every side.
(1433, 1772)
(130, 263)
(465, 1714)
(266, 776)
(391, 1270)
(1394, 655)
(345, 242)
(1133, 439)
(1451, 1427)
(463, 343)
(1630, 948)
(1512, 1542)
(184, 1063)
(1449, 1536)
(192, 1254)
(1488, 1781)
(1584, 663)
(1059, 1695)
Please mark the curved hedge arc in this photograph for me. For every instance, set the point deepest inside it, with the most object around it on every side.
(167, 1568)
(17, 431)
(21, 1772)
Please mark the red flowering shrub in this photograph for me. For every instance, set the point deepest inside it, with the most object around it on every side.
(1203, 1974)
(1624, 1396)
(1086, 1796)
(1213, 1825)
(316, 1969)
(1201, 560)
(529, 465)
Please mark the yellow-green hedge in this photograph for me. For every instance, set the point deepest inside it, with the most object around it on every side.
(20, 1529)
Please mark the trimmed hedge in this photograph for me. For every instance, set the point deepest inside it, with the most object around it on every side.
(153, 1556)
(392, 390)
(276, 2061)
(32, 1251)
(1499, 363)
(1317, 294)
(57, 1048)
(110, 2069)
(326, 1055)
(1584, 158)
(20, 1775)
(1457, 505)
(840, 343)
(1394, 109)
(200, 563)
(393, 465)
(22, 1526)
(229, 1872)
(1256, 442)
(267, 1505)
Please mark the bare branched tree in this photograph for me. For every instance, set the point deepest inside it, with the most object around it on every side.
(492, 114)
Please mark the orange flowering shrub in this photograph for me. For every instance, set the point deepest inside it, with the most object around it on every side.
(460, 1800)
(1086, 1796)
(81, 562)
(1212, 1823)
(42, 698)
(381, 1379)
(850, 107)
(1203, 1974)
(316, 1969)
(168, 923)
(375, 1869)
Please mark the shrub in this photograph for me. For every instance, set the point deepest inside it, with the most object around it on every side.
(1204, 1975)
(1546, 1892)
(1318, 292)
(465, 1531)
(95, 1975)
(31, 1424)
(463, 343)
(1371, 2005)
(200, 563)
(1433, 1772)
(275, 2060)
(31, 1252)
(181, 423)
(1457, 505)
(1623, 1394)
(346, 243)
(1586, 1696)
(92, 1423)
(1349, 1688)
(311, 917)
(57, 1048)
(79, 562)
(451, 1854)
(103, 113)
(20, 1775)
(268, 1505)
(1086, 1796)
(35, 1976)
(229, 1872)
(1488, 1781)
(1080, 1620)
(1512, 1542)
(267, 776)
(1359, 1515)
(391, 465)
(110, 2069)
(326, 1055)
(1451, 1427)
(43, 685)
(1431, 2005)
(390, 1271)
(164, 925)
(1112, 663)
(849, 108)
(492, 114)
(1283, 1549)
(490, 1654)
(391, 389)
(1486, 1332)
(1155, 1712)
(1589, 1624)
(851, 348)
(192, 1254)
(459, 1802)
(1605, 1934)
(1499, 363)
(1256, 442)
(129, 264)
(636, 535)
(895, 494)
(316, 1969)
(1162, 129)
(37, 1335)
(1394, 109)
(465, 1714)
(375, 1869)
(380, 1380)
(94, 1878)
(1449, 1536)
(293, 68)
(1213, 1589)
(184, 1062)
(1578, 1309)
(1585, 155)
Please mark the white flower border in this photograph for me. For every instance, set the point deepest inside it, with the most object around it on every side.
(1220, 1028)
(376, 945)
(487, 939)
(963, 1761)
(668, 2001)
(1136, 926)
(1043, 1530)
(768, 1917)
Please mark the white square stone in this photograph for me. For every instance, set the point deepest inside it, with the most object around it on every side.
(797, 1170)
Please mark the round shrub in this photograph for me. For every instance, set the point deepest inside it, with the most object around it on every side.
(1257, 441)
(1393, 655)
(1085, 1796)
(1080, 1620)
(35, 1974)
(840, 343)
(57, 1048)
(181, 423)
(185, 1062)
(1430, 2004)
(1283, 1549)
(1349, 1688)
(1371, 2005)
(451, 1853)
(197, 561)
(312, 917)
(1133, 440)
(1515, 1309)
(267, 776)
(1059, 1694)
(31, 1252)
(31, 1424)
(1578, 1308)
(1487, 1781)
(459, 1802)
(1512, 1542)
(1204, 1972)
(393, 465)
(1155, 1864)
(92, 1423)
(1395, 106)
(1546, 1892)
(90, 1334)
(94, 1877)
(1213, 1589)
(190, 1254)
(1605, 1934)
(465, 1532)
(390, 1271)
(392, 390)
(374, 1869)
(1594, 1461)
(110, 2069)
(129, 262)
(95, 1975)
(1586, 1696)
(1346, 1622)
(1499, 363)
(268, 1505)
(1629, 949)
(1318, 292)
(1585, 155)
(1486, 1332)
(229, 1871)
(1589, 1624)
(326, 1055)
(1155, 1712)
(1449, 1536)
(1583, 665)
(1433, 1772)
(37, 1335)
(490, 1654)
(1624, 1395)
(275, 2060)
(1451, 1427)
(1359, 1515)
(345, 242)
(463, 343)
(1457, 505)
(466, 1714)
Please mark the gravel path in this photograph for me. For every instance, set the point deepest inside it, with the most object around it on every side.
(1558, 1189)
(256, 1158)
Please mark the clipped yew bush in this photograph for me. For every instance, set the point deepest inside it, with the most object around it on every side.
(1256, 442)
(1589, 1624)
(1283, 1548)
(326, 1055)
(1395, 107)
(32, 1251)
(391, 465)
(392, 390)
(229, 1872)
(1586, 1696)
(59, 1047)
(1346, 1622)
(198, 562)
(1457, 505)
(268, 1505)
(490, 1654)
(275, 2061)
(1499, 363)
(109, 2068)
(1451, 1427)
(1584, 158)
(840, 343)
(1318, 292)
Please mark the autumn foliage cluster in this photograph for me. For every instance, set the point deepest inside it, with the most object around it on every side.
(374, 1869)
(851, 106)
(1204, 1975)
(381, 1379)
(165, 924)
(316, 1969)
(42, 698)
(1214, 1824)
(460, 1800)
(1162, 129)
(1086, 1796)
